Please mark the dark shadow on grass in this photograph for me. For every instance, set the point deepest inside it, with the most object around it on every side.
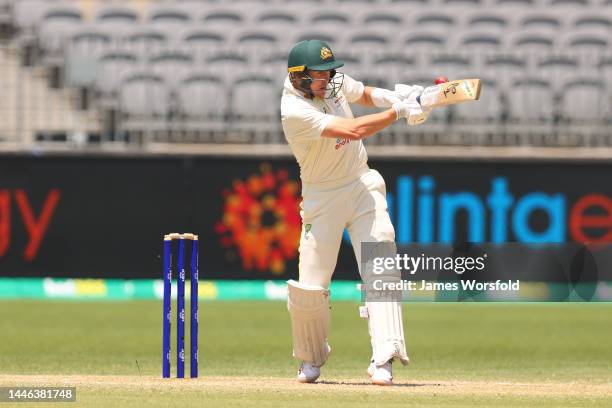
(331, 382)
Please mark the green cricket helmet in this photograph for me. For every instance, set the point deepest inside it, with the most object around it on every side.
(313, 55)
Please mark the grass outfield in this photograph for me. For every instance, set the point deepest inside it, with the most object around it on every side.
(462, 354)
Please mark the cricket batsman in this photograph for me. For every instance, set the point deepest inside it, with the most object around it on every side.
(339, 191)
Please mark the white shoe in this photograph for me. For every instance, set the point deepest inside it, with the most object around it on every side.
(308, 373)
(371, 368)
(383, 374)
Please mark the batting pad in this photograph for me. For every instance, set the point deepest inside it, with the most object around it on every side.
(386, 331)
(384, 308)
(309, 308)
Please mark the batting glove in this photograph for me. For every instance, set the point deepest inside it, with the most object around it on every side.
(412, 93)
(384, 98)
(412, 111)
(408, 92)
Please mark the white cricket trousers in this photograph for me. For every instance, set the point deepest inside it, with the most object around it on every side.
(358, 203)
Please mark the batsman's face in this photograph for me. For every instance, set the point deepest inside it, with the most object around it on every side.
(320, 79)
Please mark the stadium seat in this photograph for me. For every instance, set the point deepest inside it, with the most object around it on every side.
(481, 42)
(304, 3)
(584, 101)
(586, 40)
(223, 19)
(505, 68)
(461, 3)
(112, 67)
(144, 40)
(422, 41)
(558, 69)
(584, 110)
(168, 18)
(144, 103)
(480, 123)
(202, 43)
(540, 21)
(364, 70)
(488, 20)
(435, 20)
(254, 41)
(530, 101)
(247, 3)
(532, 43)
(422, 44)
(169, 10)
(84, 47)
(254, 87)
(413, 3)
(278, 20)
(332, 20)
(604, 67)
(56, 25)
(593, 21)
(393, 66)
(89, 41)
(229, 65)
(333, 37)
(61, 12)
(382, 20)
(568, 3)
(195, 6)
(27, 13)
(366, 45)
(274, 66)
(526, 5)
(262, 118)
(475, 44)
(202, 101)
(515, 3)
(171, 65)
(115, 15)
(587, 45)
(352, 63)
(453, 66)
(488, 110)
(532, 112)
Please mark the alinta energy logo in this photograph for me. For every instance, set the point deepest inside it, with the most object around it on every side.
(261, 220)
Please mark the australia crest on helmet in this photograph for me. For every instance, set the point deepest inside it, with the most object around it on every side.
(326, 53)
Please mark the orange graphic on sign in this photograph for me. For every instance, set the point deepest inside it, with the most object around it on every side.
(261, 220)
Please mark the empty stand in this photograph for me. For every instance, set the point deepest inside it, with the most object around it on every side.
(216, 67)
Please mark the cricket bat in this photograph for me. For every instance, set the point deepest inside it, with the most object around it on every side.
(449, 93)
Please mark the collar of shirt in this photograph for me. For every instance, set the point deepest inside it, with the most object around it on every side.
(289, 88)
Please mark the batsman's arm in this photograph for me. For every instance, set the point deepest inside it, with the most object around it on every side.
(366, 97)
(366, 126)
(361, 127)
(373, 97)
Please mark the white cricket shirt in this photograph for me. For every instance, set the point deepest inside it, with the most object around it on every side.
(322, 159)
